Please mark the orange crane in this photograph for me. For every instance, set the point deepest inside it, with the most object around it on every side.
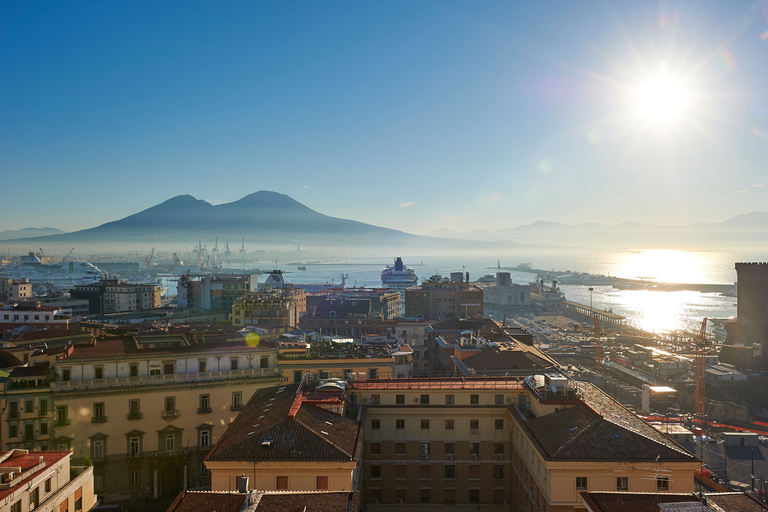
(700, 343)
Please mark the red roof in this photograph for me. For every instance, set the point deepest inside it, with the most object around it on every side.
(27, 461)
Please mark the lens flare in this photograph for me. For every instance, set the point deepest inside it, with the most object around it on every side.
(252, 340)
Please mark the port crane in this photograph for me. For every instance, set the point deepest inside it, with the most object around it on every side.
(215, 252)
(44, 257)
(148, 259)
(242, 253)
(68, 255)
(701, 343)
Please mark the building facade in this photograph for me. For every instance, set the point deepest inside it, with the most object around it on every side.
(114, 296)
(439, 298)
(752, 306)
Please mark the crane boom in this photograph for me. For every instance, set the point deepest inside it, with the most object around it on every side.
(701, 342)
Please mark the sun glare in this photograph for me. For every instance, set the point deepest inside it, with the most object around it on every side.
(661, 99)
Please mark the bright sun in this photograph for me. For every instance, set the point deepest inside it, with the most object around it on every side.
(661, 99)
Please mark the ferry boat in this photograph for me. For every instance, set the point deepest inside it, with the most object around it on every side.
(398, 277)
(67, 273)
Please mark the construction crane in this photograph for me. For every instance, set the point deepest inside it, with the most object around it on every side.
(242, 253)
(148, 259)
(68, 255)
(215, 252)
(701, 344)
(44, 257)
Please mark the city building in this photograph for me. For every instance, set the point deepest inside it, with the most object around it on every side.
(752, 306)
(439, 298)
(28, 421)
(270, 501)
(213, 291)
(37, 316)
(344, 317)
(44, 480)
(270, 306)
(384, 302)
(12, 290)
(147, 409)
(290, 438)
(506, 294)
(114, 296)
(506, 443)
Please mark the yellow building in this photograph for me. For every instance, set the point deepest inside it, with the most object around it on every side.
(289, 438)
(272, 306)
(146, 417)
(501, 442)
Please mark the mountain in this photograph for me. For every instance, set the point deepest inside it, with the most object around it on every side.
(748, 230)
(28, 233)
(263, 218)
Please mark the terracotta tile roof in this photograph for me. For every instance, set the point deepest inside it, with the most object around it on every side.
(736, 502)
(270, 501)
(127, 345)
(601, 431)
(52, 334)
(632, 502)
(313, 434)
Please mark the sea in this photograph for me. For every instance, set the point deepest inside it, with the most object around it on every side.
(653, 311)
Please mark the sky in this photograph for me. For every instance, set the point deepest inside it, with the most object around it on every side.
(413, 115)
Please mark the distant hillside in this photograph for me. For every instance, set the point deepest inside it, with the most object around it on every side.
(264, 219)
(28, 233)
(743, 230)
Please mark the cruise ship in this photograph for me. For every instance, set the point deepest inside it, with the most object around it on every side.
(67, 273)
(398, 277)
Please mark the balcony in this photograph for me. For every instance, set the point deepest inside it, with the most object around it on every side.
(204, 410)
(170, 413)
(147, 380)
(61, 422)
(238, 407)
(134, 415)
(98, 419)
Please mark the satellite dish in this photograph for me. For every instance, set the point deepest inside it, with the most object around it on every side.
(554, 388)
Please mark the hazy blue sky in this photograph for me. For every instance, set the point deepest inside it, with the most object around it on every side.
(413, 115)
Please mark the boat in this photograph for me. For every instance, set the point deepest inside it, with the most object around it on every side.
(398, 277)
(72, 272)
(302, 267)
(719, 332)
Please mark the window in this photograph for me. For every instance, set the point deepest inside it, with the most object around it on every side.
(170, 442)
(134, 478)
(499, 399)
(622, 483)
(474, 448)
(450, 448)
(13, 430)
(448, 424)
(424, 471)
(424, 495)
(448, 399)
(205, 404)
(134, 370)
(498, 472)
(474, 495)
(133, 410)
(202, 365)
(375, 399)
(97, 449)
(474, 399)
(13, 410)
(79, 501)
(281, 483)
(581, 482)
(375, 471)
(373, 373)
(424, 424)
(134, 446)
(34, 498)
(450, 471)
(474, 471)
(29, 406)
(43, 428)
(233, 364)
(474, 424)
(498, 449)
(43, 407)
(400, 471)
(237, 400)
(400, 448)
(169, 368)
(321, 483)
(99, 373)
(424, 399)
(205, 438)
(16, 507)
(400, 399)
(48, 485)
(375, 448)
(264, 363)
(662, 483)
(62, 416)
(98, 412)
(170, 404)
(400, 424)
(499, 424)
(375, 424)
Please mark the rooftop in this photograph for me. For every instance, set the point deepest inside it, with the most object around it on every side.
(25, 465)
(271, 501)
(477, 383)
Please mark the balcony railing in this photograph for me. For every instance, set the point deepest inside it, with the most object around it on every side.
(134, 415)
(170, 413)
(204, 410)
(158, 379)
(98, 419)
(238, 407)
(61, 422)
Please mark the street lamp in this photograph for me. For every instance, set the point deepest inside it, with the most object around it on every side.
(590, 301)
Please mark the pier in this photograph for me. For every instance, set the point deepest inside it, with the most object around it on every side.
(605, 318)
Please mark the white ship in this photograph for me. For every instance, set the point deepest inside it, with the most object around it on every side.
(398, 277)
(67, 273)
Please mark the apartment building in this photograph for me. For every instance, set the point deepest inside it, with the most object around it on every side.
(212, 291)
(41, 480)
(272, 306)
(28, 419)
(384, 302)
(504, 443)
(12, 290)
(114, 296)
(439, 298)
(345, 317)
(40, 317)
(147, 413)
(414, 333)
(270, 501)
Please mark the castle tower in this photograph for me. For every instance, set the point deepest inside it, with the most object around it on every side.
(752, 306)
